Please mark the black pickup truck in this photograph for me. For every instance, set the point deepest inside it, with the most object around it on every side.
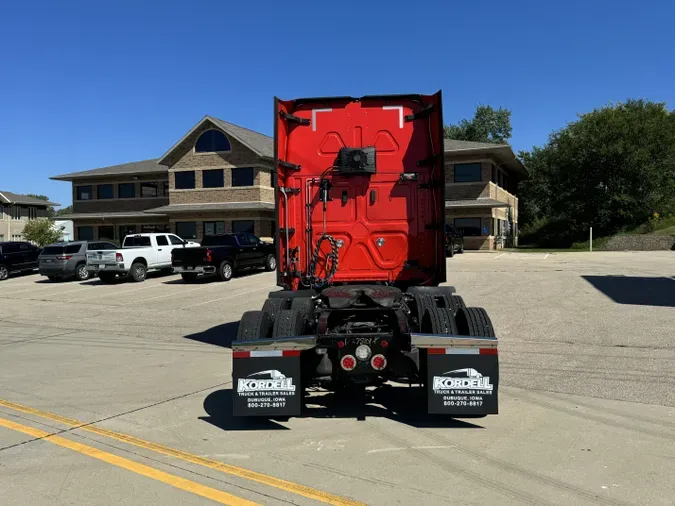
(222, 255)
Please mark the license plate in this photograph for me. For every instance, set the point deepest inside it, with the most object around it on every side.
(47, 260)
(101, 266)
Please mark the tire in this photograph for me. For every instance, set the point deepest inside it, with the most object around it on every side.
(106, 277)
(475, 322)
(81, 272)
(254, 325)
(138, 272)
(4, 272)
(451, 251)
(424, 302)
(289, 323)
(303, 305)
(461, 248)
(438, 320)
(225, 271)
(188, 277)
(454, 303)
(274, 306)
(271, 263)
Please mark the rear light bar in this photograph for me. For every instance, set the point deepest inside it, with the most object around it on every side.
(348, 362)
(462, 351)
(119, 257)
(64, 257)
(265, 353)
(378, 362)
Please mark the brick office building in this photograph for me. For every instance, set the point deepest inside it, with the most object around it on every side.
(16, 211)
(219, 178)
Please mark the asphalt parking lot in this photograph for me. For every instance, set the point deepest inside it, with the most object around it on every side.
(120, 394)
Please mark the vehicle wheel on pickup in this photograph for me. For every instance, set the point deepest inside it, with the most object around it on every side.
(461, 248)
(289, 323)
(106, 277)
(474, 321)
(451, 250)
(271, 263)
(225, 271)
(438, 320)
(454, 303)
(274, 306)
(138, 272)
(4, 272)
(81, 272)
(254, 325)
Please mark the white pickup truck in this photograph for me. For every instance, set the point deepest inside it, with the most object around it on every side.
(139, 254)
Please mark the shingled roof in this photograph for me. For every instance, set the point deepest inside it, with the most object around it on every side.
(142, 167)
(16, 198)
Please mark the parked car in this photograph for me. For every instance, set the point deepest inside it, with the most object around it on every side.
(68, 260)
(139, 254)
(17, 256)
(454, 240)
(222, 255)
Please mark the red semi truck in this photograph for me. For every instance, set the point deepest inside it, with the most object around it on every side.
(360, 204)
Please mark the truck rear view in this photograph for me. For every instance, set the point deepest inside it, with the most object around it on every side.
(360, 210)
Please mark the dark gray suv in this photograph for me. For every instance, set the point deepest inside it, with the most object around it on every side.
(68, 260)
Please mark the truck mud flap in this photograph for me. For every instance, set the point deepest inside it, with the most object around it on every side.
(462, 374)
(266, 376)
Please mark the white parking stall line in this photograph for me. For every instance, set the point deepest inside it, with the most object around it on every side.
(114, 294)
(41, 287)
(224, 298)
(495, 258)
(546, 256)
(176, 294)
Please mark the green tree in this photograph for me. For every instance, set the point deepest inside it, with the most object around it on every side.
(41, 232)
(64, 210)
(487, 125)
(50, 209)
(611, 169)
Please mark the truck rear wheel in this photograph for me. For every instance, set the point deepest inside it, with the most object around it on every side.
(138, 272)
(474, 321)
(254, 325)
(454, 303)
(303, 305)
(289, 323)
(225, 271)
(438, 320)
(274, 306)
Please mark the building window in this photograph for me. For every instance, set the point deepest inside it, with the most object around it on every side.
(126, 190)
(185, 180)
(126, 230)
(213, 178)
(32, 213)
(15, 212)
(186, 229)
(149, 190)
(165, 188)
(467, 172)
(17, 237)
(242, 176)
(84, 192)
(214, 227)
(105, 191)
(106, 232)
(85, 233)
(243, 226)
(212, 141)
(471, 227)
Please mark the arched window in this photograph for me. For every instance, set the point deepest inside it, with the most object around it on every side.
(212, 141)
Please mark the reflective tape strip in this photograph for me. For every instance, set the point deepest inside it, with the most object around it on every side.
(462, 351)
(265, 353)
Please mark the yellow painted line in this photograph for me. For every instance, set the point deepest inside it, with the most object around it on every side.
(130, 465)
(288, 486)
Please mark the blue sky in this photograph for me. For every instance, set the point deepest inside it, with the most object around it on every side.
(90, 84)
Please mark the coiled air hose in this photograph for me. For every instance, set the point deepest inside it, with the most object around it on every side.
(317, 281)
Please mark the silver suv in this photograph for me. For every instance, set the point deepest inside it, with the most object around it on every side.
(68, 260)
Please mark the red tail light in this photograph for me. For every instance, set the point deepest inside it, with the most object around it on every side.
(348, 363)
(64, 257)
(378, 362)
(208, 257)
(119, 257)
